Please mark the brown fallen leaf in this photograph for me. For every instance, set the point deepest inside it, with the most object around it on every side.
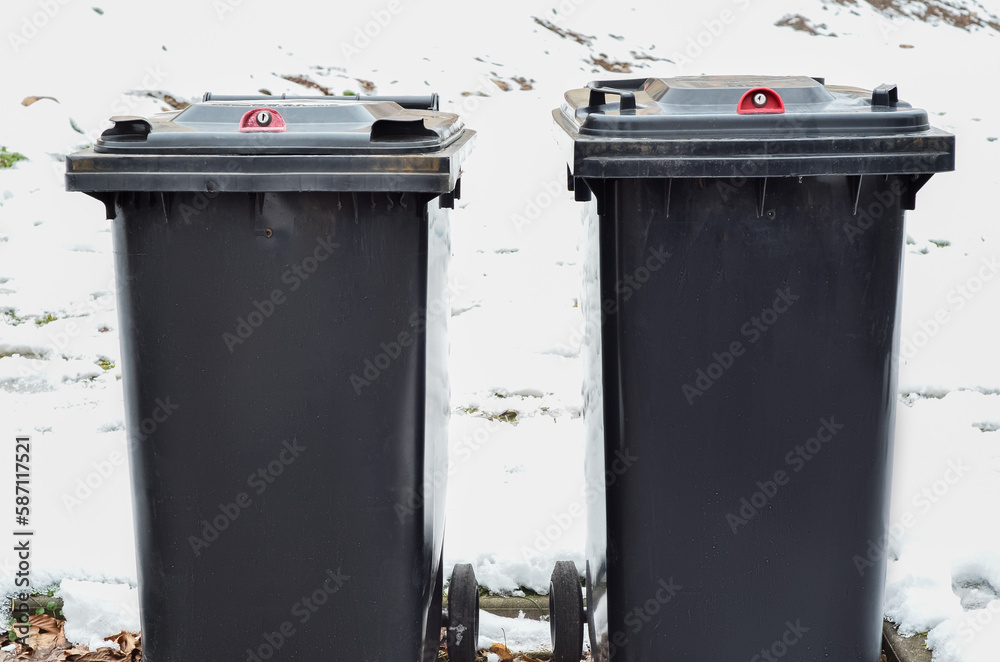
(526, 658)
(45, 636)
(502, 651)
(27, 101)
(100, 655)
(127, 641)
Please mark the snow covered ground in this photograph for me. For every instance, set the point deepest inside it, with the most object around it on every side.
(516, 329)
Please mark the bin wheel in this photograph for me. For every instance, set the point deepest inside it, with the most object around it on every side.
(463, 614)
(566, 613)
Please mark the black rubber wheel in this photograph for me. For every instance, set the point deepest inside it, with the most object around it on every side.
(566, 613)
(463, 614)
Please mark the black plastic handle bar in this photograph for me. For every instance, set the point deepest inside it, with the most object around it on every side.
(598, 97)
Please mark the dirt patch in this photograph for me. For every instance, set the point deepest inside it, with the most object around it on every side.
(525, 83)
(311, 84)
(603, 62)
(651, 58)
(803, 24)
(933, 11)
(171, 101)
(366, 85)
(565, 33)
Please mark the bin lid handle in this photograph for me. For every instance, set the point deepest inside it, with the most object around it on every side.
(127, 127)
(598, 97)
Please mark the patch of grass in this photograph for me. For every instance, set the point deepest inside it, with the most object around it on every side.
(48, 319)
(508, 416)
(31, 356)
(8, 159)
(468, 410)
(12, 317)
(98, 11)
(105, 364)
(940, 243)
(349, 93)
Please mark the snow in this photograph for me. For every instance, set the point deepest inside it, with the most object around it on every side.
(95, 610)
(515, 489)
(518, 634)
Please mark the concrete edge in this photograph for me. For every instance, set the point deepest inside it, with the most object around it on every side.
(898, 648)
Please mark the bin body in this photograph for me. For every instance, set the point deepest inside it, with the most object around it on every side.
(741, 386)
(284, 361)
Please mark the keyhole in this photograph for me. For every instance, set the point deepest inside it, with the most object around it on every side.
(263, 118)
(759, 99)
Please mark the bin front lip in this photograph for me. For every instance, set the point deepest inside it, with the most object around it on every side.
(431, 172)
(928, 151)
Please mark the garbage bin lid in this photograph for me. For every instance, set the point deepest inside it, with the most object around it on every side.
(791, 125)
(257, 145)
(299, 126)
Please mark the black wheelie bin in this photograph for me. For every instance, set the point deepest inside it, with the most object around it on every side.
(743, 252)
(282, 275)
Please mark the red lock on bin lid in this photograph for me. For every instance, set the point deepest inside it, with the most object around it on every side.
(760, 100)
(262, 119)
